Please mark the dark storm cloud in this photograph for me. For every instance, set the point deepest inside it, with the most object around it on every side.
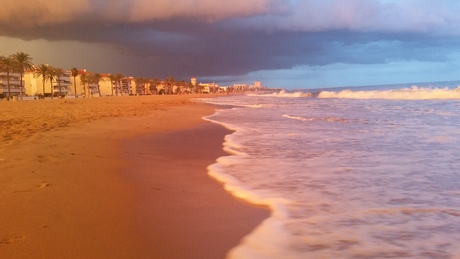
(216, 38)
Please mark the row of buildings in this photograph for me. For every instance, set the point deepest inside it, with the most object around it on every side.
(67, 85)
(213, 87)
(64, 85)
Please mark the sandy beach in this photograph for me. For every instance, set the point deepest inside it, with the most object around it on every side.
(120, 177)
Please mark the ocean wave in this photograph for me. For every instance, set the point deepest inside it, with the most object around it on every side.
(413, 93)
(284, 94)
(410, 211)
(328, 119)
(255, 106)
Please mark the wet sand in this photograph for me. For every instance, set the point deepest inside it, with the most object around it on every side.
(115, 178)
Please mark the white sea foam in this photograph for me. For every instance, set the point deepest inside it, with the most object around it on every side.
(284, 94)
(255, 106)
(328, 119)
(264, 241)
(294, 117)
(413, 93)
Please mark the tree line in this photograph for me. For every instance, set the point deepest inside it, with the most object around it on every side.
(20, 62)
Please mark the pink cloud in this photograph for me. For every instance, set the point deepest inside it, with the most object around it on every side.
(369, 16)
(32, 13)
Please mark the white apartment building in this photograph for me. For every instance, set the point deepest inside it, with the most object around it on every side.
(14, 82)
(62, 85)
(33, 84)
(128, 86)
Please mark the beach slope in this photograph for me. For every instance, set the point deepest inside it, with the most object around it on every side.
(115, 178)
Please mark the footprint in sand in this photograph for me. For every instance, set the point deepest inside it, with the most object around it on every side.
(47, 159)
(41, 158)
(12, 240)
(38, 186)
(42, 185)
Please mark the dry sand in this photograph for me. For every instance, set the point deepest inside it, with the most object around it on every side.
(120, 177)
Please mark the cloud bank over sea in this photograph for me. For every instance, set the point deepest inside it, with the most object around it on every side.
(216, 39)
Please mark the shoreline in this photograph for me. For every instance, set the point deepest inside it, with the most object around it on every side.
(206, 220)
(63, 199)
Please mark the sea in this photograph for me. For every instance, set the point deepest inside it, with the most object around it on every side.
(370, 172)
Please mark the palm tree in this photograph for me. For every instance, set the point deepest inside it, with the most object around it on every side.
(182, 85)
(43, 70)
(191, 87)
(74, 73)
(84, 80)
(169, 84)
(96, 79)
(23, 62)
(146, 85)
(153, 85)
(119, 77)
(141, 83)
(58, 72)
(90, 81)
(112, 78)
(51, 76)
(7, 64)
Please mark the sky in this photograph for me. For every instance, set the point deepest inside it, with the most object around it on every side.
(282, 43)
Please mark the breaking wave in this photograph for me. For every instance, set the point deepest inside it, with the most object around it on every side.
(328, 119)
(413, 93)
(285, 94)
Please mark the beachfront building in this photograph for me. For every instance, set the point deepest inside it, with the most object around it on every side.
(79, 86)
(62, 84)
(105, 86)
(68, 84)
(139, 88)
(142, 86)
(33, 84)
(223, 89)
(257, 85)
(125, 86)
(91, 88)
(128, 86)
(241, 87)
(161, 87)
(208, 88)
(14, 82)
(204, 88)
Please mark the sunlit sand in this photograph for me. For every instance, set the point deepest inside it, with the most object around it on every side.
(115, 178)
